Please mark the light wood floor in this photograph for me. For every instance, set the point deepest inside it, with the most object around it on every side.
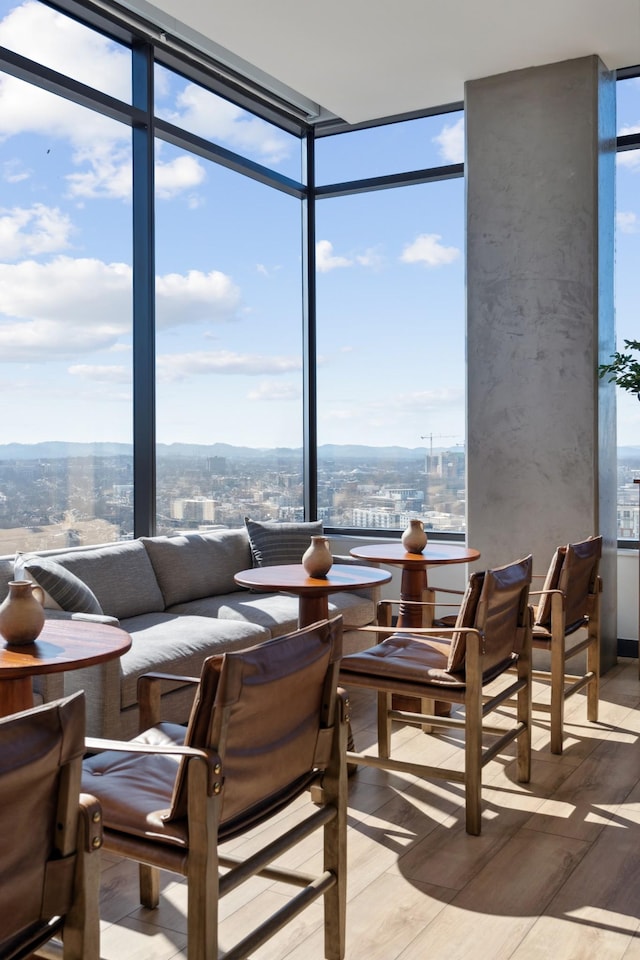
(555, 873)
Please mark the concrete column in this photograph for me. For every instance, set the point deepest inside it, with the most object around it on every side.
(540, 172)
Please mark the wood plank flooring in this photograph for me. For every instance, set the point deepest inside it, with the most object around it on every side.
(554, 874)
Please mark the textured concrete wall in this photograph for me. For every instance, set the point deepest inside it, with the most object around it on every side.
(540, 219)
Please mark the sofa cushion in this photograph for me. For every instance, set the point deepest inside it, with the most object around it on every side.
(277, 543)
(121, 576)
(65, 589)
(278, 612)
(178, 644)
(197, 565)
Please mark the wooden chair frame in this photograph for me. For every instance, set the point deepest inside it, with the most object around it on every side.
(203, 865)
(478, 697)
(564, 684)
(75, 934)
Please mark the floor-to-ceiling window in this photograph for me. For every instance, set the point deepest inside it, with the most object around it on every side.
(391, 326)
(228, 319)
(227, 239)
(627, 298)
(65, 290)
(387, 355)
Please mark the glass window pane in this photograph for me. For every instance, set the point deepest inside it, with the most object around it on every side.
(626, 300)
(65, 323)
(391, 368)
(229, 350)
(199, 111)
(46, 36)
(628, 106)
(393, 148)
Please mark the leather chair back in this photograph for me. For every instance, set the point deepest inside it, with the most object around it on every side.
(40, 756)
(574, 571)
(496, 603)
(269, 752)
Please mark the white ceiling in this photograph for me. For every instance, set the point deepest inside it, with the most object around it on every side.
(365, 59)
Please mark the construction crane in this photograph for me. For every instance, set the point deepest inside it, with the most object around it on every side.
(438, 436)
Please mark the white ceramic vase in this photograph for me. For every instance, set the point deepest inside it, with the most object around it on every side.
(317, 558)
(414, 538)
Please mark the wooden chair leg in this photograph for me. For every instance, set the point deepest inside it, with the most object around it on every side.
(335, 852)
(149, 886)
(557, 692)
(524, 716)
(427, 707)
(384, 725)
(203, 867)
(81, 936)
(473, 760)
(593, 688)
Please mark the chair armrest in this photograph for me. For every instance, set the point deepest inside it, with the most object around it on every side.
(99, 745)
(90, 823)
(149, 689)
(544, 593)
(421, 631)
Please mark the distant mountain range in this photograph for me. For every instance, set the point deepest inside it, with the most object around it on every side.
(55, 449)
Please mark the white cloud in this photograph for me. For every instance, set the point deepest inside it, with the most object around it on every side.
(271, 391)
(32, 231)
(69, 307)
(100, 147)
(451, 142)
(40, 33)
(370, 258)
(325, 258)
(427, 249)
(629, 128)
(14, 172)
(629, 159)
(627, 222)
(195, 297)
(180, 174)
(94, 373)
(181, 366)
(214, 118)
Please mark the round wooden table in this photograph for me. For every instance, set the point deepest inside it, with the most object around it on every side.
(62, 645)
(414, 569)
(313, 592)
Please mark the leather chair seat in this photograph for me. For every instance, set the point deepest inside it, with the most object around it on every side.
(136, 789)
(408, 659)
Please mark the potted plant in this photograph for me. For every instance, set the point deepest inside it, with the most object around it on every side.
(624, 369)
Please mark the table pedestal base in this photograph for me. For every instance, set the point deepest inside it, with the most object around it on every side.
(15, 695)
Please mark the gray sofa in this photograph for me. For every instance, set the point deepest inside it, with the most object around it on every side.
(177, 598)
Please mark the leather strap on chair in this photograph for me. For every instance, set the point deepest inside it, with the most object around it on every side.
(322, 753)
(58, 887)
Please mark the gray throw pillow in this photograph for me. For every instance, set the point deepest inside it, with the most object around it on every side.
(62, 586)
(274, 543)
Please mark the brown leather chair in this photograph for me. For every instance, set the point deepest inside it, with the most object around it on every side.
(267, 724)
(569, 605)
(460, 664)
(49, 879)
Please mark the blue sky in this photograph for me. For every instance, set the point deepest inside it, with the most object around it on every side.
(390, 268)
